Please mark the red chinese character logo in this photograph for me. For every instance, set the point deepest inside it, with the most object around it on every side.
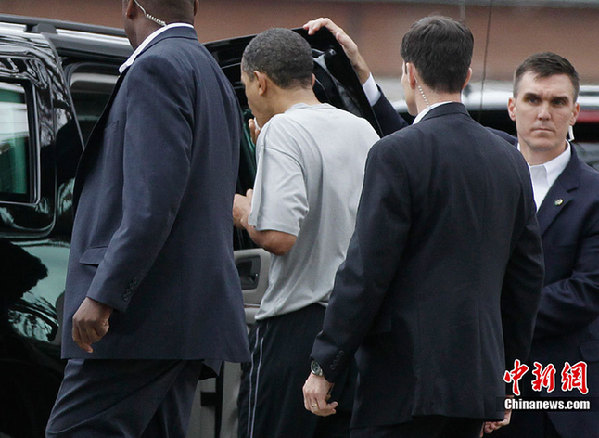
(515, 375)
(575, 377)
(545, 377)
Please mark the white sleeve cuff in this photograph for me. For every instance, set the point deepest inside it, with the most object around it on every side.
(371, 90)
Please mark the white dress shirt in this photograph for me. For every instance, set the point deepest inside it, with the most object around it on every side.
(371, 90)
(544, 175)
(129, 62)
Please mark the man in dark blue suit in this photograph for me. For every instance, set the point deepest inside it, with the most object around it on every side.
(442, 279)
(566, 190)
(153, 300)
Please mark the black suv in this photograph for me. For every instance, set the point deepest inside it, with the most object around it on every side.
(55, 79)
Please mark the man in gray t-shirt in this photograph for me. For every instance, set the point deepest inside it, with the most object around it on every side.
(310, 169)
(311, 160)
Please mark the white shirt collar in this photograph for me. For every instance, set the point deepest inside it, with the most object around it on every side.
(555, 167)
(129, 62)
(543, 175)
(425, 111)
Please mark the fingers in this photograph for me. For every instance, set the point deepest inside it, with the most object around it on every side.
(492, 426)
(320, 407)
(254, 130)
(83, 338)
(349, 46)
(90, 324)
(78, 338)
(85, 334)
(314, 26)
(325, 409)
(316, 392)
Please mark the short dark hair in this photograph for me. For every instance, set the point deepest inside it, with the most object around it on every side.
(170, 10)
(283, 55)
(547, 64)
(441, 50)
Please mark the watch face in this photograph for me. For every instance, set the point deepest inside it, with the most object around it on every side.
(316, 369)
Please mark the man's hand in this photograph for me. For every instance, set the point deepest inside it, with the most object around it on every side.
(491, 426)
(316, 393)
(241, 209)
(90, 323)
(254, 130)
(349, 47)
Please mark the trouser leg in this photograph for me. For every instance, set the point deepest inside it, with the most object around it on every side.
(281, 350)
(172, 417)
(433, 426)
(119, 398)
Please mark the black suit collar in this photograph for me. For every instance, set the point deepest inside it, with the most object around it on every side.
(560, 192)
(447, 108)
(175, 32)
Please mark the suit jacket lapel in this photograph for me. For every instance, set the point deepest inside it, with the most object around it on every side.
(559, 194)
(96, 137)
(94, 141)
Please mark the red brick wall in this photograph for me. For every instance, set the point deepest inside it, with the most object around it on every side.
(377, 27)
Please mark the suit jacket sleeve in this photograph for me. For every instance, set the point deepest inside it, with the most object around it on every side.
(522, 283)
(572, 303)
(156, 166)
(382, 225)
(389, 119)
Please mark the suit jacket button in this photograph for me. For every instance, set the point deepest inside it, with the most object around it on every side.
(132, 284)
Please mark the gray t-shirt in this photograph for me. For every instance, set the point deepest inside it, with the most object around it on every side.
(309, 181)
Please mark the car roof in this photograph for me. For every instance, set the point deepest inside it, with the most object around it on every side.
(70, 38)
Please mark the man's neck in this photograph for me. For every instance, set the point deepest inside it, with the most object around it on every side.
(430, 98)
(534, 157)
(288, 98)
(143, 31)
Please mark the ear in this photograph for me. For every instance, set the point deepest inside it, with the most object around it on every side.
(575, 114)
(468, 76)
(196, 7)
(262, 79)
(511, 108)
(130, 9)
(313, 80)
(411, 73)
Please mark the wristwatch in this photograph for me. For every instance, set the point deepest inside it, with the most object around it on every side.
(317, 369)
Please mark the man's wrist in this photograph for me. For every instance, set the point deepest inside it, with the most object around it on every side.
(244, 221)
(316, 369)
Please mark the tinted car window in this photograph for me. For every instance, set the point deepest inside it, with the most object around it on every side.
(14, 143)
(90, 92)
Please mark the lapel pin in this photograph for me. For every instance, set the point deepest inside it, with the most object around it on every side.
(558, 202)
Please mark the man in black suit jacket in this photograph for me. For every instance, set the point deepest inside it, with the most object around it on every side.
(152, 298)
(442, 279)
(566, 190)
